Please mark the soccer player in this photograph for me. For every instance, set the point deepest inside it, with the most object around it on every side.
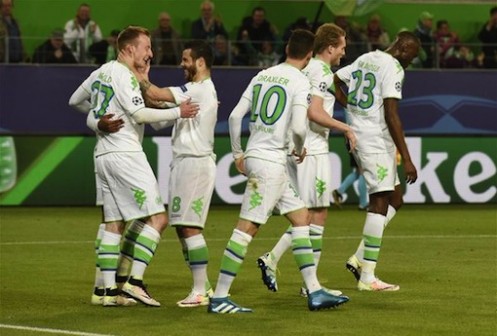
(193, 169)
(129, 188)
(374, 83)
(313, 176)
(278, 98)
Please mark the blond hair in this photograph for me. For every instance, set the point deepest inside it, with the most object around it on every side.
(326, 35)
(129, 36)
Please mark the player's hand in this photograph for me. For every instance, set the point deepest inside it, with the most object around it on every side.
(188, 109)
(240, 165)
(108, 125)
(410, 171)
(299, 157)
(351, 140)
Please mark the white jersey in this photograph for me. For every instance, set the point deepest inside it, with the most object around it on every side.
(195, 136)
(114, 89)
(272, 93)
(321, 78)
(373, 77)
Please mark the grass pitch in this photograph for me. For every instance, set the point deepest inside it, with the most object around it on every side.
(443, 257)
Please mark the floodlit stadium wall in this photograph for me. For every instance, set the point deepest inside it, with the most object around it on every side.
(46, 150)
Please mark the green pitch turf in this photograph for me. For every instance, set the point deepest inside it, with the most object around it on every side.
(443, 257)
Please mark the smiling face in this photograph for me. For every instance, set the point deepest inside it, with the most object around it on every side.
(189, 65)
(338, 52)
(141, 51)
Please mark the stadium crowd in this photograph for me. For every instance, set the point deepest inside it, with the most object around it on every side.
(258, 42)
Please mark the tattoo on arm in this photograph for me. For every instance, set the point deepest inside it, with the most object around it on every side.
(145, 85)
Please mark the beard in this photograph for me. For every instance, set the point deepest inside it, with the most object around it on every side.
(190, 72)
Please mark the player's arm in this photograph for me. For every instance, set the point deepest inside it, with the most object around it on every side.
(391, 106)
(80, 100)
(317, 114)
(340, 95)
(156, 93)
(299, 129)
(150, 91)
(149, 115)
(163, 124)
(235, 128)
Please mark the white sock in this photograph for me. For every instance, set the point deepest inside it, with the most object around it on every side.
(373, 228)
(316, 235)
(282, 245)
(112, 240)
(308, 272)
(231, 264)
(199, 271)
(360, 249)
(99, 279)
(145, 249)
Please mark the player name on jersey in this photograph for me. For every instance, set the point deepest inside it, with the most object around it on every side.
(273, 79)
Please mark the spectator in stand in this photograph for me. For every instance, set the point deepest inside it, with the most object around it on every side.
(488, 37)
(423, 32)
(301, 23)
(166, 42)
(356, 40)
(258, 28)
(208, 26)
(267, 57)
(105, 50)
(81, 32)
(11, 48)
(54, 50)
(377, 36)
(445, 39)
(460, 56)
(244, 50)
(221, 51)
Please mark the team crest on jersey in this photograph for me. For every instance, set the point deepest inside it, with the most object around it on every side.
(137, 100)
(309, 99)
(322, 87)
(398, 86)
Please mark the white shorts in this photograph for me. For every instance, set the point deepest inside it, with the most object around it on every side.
(379, 171)
(98, 186)
(312, 178)
(268, 186)
(129, 187)
(191, 185)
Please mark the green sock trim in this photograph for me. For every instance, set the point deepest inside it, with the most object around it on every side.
(372, 241)
(200, 255)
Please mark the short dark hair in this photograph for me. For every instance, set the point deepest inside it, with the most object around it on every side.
(441, 22)
(407, 37)
(493, 10)
(201, 49)
(300, 43)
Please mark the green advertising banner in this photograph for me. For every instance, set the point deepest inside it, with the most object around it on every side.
(59, 170)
